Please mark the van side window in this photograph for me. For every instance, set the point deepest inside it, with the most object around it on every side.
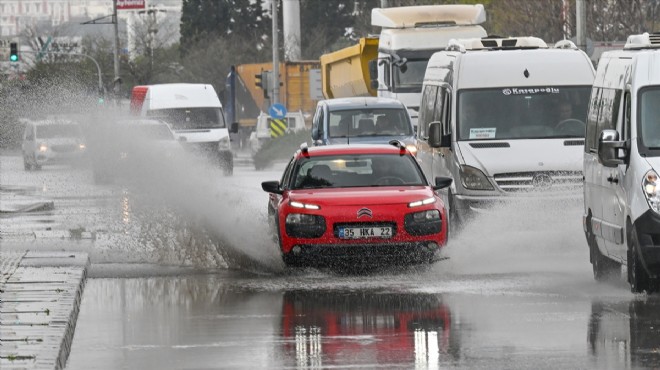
(592, 121)
(446, 112)
(626, 116)
(439, 105)
(609, 111)
(426, 110)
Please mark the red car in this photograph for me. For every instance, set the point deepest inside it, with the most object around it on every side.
(356, 202)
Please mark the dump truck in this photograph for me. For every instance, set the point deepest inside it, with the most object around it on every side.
(393, 64)
(245, 100)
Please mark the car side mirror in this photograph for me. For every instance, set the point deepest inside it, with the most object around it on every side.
(233, 128)
(315, 133)
(271, 187)
(611, 151)
(442, 182)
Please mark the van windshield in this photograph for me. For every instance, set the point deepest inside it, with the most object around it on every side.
(191, 118)
(539, 112)
(369, 122)
(650, 118)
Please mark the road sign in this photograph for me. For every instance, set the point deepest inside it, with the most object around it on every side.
(277, 110)
(277, 127)
(130, 4)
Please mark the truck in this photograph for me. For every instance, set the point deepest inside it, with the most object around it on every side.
(246, 101)
(392, 65)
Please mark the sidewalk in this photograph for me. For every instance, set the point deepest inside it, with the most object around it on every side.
(40, 294)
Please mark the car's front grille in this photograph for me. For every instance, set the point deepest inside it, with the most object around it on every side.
(68, 148)
(539, 181)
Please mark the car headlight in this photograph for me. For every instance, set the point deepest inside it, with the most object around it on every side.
(650, 187)
(303, 205)
(224, 143)
(300, 219)
(43, 147)
(412, 149)
(423, 223)
(82, 146)
(421, 202)
(426, 216)
(473, 179)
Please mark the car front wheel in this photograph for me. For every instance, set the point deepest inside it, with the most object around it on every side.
(638, 278)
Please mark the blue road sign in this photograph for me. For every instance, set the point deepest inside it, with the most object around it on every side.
(277, 110)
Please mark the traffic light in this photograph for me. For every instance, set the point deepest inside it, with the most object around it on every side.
(261, 81)
(13, 52)
(258, 81)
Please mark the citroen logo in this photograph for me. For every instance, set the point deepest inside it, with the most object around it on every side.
(364, 212)
(542, 181)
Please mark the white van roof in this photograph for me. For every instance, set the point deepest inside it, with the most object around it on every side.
(516, 68)
(182, 95)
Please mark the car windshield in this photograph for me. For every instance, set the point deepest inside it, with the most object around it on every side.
(58, 130)
(363, 170)
(191, 118)
(523, 113)
(369, 122)
(650, 118)
(411, 75)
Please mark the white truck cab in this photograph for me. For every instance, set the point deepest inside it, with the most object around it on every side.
(409, 36)
(504, 117)
(621, 164)
(194, 114)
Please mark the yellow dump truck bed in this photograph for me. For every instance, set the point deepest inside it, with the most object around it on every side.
(345, 72)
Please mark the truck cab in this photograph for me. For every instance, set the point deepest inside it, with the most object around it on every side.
(408, 38)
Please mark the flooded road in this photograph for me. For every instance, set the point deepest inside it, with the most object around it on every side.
(197, 284)
(414, 319)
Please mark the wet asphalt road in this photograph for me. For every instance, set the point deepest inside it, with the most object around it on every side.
(516, 293)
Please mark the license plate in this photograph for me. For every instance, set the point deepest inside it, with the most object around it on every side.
(365, 232)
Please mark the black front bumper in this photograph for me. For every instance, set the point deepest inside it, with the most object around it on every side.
(332, 255)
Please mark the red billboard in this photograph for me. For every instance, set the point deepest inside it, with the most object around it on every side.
(130, 4)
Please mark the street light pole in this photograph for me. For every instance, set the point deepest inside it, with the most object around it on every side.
(276, 56)
(115, 21)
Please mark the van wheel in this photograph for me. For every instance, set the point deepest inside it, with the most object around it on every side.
(637, 277)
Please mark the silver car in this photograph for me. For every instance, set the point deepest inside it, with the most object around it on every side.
(52, 141)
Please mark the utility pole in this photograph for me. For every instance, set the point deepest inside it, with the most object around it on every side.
(117, 79)
(276, 57)
(581, 24)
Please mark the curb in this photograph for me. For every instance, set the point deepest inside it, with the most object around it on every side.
(39, 308)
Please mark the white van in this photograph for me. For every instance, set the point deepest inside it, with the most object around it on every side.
(195, 115)
(621, 164)
(504, 117)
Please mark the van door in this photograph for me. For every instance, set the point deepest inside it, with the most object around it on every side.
(425, 153)
(620, 204)
(612, 227)
(593, 169)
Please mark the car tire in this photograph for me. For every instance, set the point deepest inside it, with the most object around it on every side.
(638, 278)
(228, 170)
(26, 164)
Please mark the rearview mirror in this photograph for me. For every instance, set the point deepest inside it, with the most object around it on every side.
(442, 182)
(611, 151)
(234, 128)
(271, 187)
